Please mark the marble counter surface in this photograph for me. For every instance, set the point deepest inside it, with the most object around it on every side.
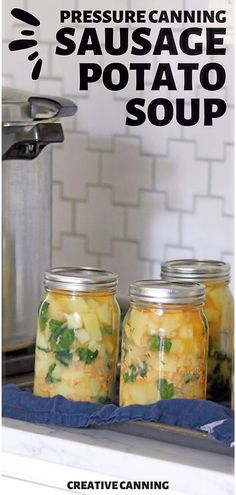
(51, 456)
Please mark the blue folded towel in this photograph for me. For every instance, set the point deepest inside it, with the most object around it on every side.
(203, 415)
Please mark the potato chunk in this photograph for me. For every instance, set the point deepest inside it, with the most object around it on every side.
(92, 326)
(140, 393)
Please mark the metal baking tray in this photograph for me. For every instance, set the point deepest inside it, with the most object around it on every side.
(173, 435)
(170, 434)
(153, 431)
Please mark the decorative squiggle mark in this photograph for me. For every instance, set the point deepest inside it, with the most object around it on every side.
(37, 69)
(23, 44)
(33, 55)
(23, 15)
(27, 32)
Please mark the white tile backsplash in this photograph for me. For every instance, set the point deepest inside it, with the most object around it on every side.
(49, 13)
(178, 253)
(222, 179)
(211, 140)
(66, 69)
(127, 198)
(99, 220)
(61, 215)
(101, 116)
(207, 230)
(73, 252)
(48, 86)
(153, 225)
(77, 169)
(127, 169)
(155, 140)
(13, 63)
(125, 254)
(9, 22)
(181, 175)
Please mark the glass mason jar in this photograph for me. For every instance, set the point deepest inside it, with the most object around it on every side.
(218, 308)
(78, 335)
(164, 343)
(232, 394)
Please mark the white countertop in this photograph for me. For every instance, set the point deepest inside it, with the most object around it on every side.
(51, 456)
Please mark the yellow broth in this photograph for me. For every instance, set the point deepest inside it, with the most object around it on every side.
(219, 312)
(164, 355)
(77, 346)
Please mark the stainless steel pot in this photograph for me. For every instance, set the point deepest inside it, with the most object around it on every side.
(30, 123)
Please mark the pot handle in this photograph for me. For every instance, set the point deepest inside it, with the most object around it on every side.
(49, 107)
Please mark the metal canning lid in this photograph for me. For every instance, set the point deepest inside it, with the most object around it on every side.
(197, 270)
(84, 279)
(164, 292)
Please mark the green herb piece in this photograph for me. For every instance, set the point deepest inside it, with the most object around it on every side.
(154, 343)
(143, 371)
(221, 356)
(49, 378)
(167, 345)
(57, 328)
(125, 350)
(217, 355)
(135, 370)
(64, 357)
(191, 378)
(216, 369)
(128, 378)
(159, 344)
(50, 370)
(104, 400)
(107, 330)
(86, 355)
(46, 349)
(109, 363)
(166, 389)
(131, 377)
(43, 315)
(66, 340)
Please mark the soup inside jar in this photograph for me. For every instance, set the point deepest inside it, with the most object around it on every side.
(164, 355)
(219, 312)
(77, 346)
